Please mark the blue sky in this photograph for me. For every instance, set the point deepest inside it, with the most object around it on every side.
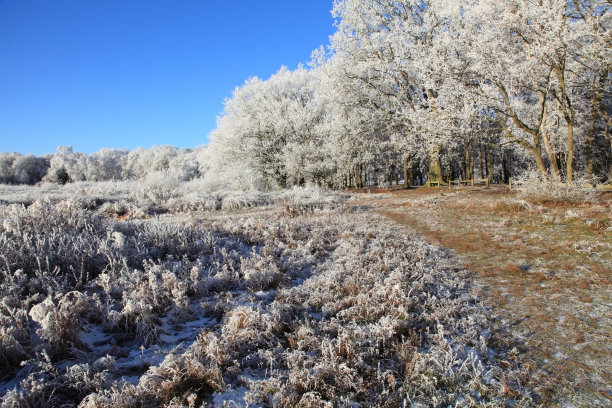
(129, 73)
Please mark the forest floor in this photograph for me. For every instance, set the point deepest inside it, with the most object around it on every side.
(545, 267)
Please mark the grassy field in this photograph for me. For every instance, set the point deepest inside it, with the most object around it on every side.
(124, 295)
(545, 267)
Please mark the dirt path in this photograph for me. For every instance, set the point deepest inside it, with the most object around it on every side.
(547, 269)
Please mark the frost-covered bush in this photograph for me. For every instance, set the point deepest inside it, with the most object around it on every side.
(158, 187)
(46, 386)
(195, 196)
(535, 187)
(308, 198)
(194, 203)
(15, 344)
(122, 210)
(261, 272)
(59, 319)
(111, 190)
(234, 201)
(58, 239)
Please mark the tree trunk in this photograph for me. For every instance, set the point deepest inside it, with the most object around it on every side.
(466, 171)
(537, 154)
(569, 160)
(480, 160)
(569, 116)
(490, 165)
(394, 175)
(449, 173)
(504, 168)
(435, 163)
(596, 97)
(472, 161)
(554, 168)
(407, 171)
(590, 138)
(610, 172)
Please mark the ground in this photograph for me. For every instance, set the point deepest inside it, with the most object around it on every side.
(545, 267)
(120, 294)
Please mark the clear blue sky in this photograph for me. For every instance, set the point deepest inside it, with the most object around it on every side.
(129, 73)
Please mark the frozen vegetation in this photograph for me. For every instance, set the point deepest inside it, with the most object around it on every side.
(286, 299)
(212, 277)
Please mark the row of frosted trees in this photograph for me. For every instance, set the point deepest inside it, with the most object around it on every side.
(431, 90)
(419, 90)
(107, 164)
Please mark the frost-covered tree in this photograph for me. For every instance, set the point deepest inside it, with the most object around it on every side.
(395, 59)
(141, 162)
(592, 56)
(106, 164)
(16, 168)
(269, 131)
(28, 169)
(74, 163)
(529, 62)
(6, 167)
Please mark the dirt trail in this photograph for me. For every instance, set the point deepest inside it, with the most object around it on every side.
(546, 268)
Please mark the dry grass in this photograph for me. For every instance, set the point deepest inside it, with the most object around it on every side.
(546, 265)
(288, 300)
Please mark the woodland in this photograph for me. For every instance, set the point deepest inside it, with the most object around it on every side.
(406, 90)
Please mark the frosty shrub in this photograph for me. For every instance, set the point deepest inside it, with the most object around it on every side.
(62, 176)
(58, 321)
(158, 187)
(261, 272)
(122, 210)
(58, 239)
(15, 344)
(537, 188)
(309, 198)
(103, 190)
(233, 201)
(194, 203)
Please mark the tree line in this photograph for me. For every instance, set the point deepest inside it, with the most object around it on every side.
(431, 91)
(67, 165)
(413, 90)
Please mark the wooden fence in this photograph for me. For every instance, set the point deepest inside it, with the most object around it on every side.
(470, 182)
